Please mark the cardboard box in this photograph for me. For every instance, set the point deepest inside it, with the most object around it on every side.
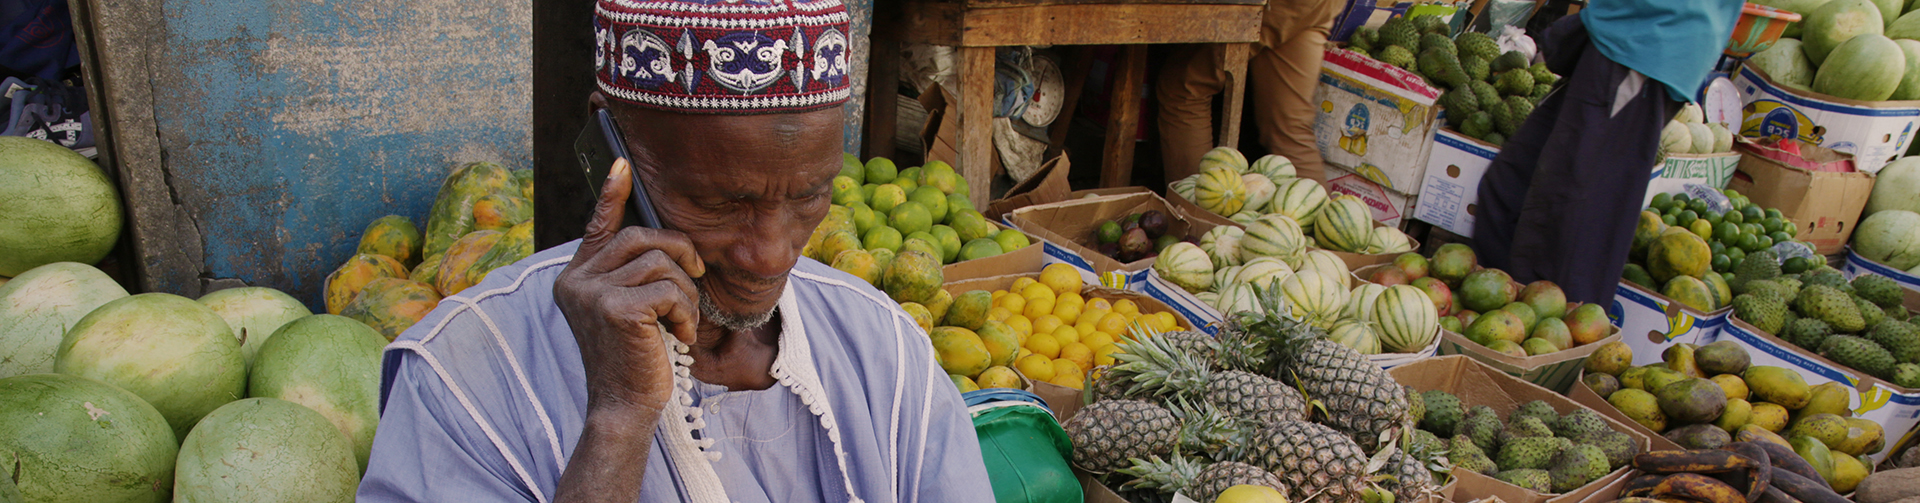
(1374, 119)
(1478, 384)
(1048, 185)
(1556, 371)
(1452, 184)
(1650, 322)
(1875, 132)
(1070, 224)
(1586, 396)
(942, 131)
(1032, 253)
(1681, 170)
(1825, 205)
(1100, 493)
(1857, 265)
(1389, 207)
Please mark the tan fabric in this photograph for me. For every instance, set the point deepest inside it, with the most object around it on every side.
(1281, 75)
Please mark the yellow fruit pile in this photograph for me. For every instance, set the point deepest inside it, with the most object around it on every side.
(1043, 328)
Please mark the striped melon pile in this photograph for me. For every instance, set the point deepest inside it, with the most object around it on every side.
(1318, 288)
(1246, 193)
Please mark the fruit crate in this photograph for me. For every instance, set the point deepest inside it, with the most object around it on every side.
(1825, 205)
(1068, 227)
(1476, 383)
(1586, 396)
(1097, 492)
(1875, 132)
(1857, 265)
(1650, 322)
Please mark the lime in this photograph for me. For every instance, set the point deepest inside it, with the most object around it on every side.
(1728, 233)
(866, 191)
(850, 167)
(948, 183)
(1108, 232)
(1752, 227)
(881, 238)
(864, 218)
(1721, 262)
(1780, 237)
(938, 166)
(1735, 253)
(1796, 265)
(906, 184)
(1701, 228)
(979, 248)
(847, 190)
(972, 225)
(1660, 200)
(1775, 213)
(949, 242)
(1792, 229)
(1749, 242)
(933, 199)
(1669, 219)
(1714, 217)
(1773, 224)
(1681, 198)
(1760, 242)
(911, 175)
(1752, 213)
(1717, 248)
(1011, 240)
(957, 202)
(1686, 217)
(881, 170)
(886, 197)
(1698, 206)
(1734, 217)
(910, 217)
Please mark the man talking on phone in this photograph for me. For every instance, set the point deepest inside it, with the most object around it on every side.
(704, 361)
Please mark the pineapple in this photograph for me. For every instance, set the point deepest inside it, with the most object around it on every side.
(1207, 430)
(1313, 460)
(1106, 434)
(1193, 342)
(1167, 476)
(1411, 477)
(1217, 477)
(1153, 367)
(1358, 397)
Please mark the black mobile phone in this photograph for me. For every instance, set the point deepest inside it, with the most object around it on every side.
(597, 147)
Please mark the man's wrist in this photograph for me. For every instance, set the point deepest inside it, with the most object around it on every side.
(623, 420)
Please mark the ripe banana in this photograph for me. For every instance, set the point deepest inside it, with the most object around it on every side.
(1786, 460)
(1808, 490)
(1691, 461)
(1699, 488)
(1642, 485)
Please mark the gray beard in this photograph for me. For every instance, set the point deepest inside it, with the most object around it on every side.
(737, 322)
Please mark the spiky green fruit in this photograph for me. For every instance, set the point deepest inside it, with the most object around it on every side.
(1859, 353)
(1832, 306)
(1900, 339)
(1809, 333)
(1763, 313)
(1883, 291)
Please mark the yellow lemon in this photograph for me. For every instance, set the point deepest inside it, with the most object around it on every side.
(1113, 323)
(1040, 344)
(1037, 290)
(1085, 326)
(1090, 315)
(1046, 324)
(1096, 339)
(1036, 366)
(1100, 304)
(1061, 278)
(1125, 306)
(963, 383)
(1022, 354)
(1103, 355)
(1068, 307)
(1077, 353)
(1071, 381)
(1168, 321)
(997, 294)
(1020, 324)
(1037, 306)
(999, 314)
(999, 377)
(1020, 285)
(1064, 368)
(1066, 334)
(1012, 302)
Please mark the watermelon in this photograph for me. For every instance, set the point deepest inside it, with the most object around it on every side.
(1329, 266)
(1836, 22)
(1344, 225)
(1355, 334)
(1263, 272)
(1184, 187)
(392, 305)
(1909, 88)
(1259, 191)
(1223, 157)
(1895, 185)
(1223, 277)
(254, 313)
(1407, 319)
(1299, 199)
(1890, 10)
(330, 364)
(1315, 299)
(177, 354)
(1273, 236)
(1907, 26)
(1802, 7)
(73, 439)
(1388, 240)
(1274, 167)
(393, 236)
(265, 449)
(1186, 266)
(55, 206)
(1890, 237)
(1220, 191)
(1222, 244)
(1868, 67)
(452, 213)
(1786, 63)
(37, 308)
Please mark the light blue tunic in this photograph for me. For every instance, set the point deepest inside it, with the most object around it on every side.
(484, 401)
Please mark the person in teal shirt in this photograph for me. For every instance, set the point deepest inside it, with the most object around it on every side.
(1560, 201)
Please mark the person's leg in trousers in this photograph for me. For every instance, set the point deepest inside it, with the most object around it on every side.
(1188, 82)
(1503, 190)
(1579, 214)
(1282, 74)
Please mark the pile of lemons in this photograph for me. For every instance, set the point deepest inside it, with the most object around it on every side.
(1045, 329)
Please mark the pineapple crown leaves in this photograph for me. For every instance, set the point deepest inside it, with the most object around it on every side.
(1167, 476)
(1151, 365)
(1210, 431)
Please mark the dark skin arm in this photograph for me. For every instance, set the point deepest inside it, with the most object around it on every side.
(625, 291)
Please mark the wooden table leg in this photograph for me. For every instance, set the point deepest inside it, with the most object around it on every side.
(976, 122)
(1235, 63)
(1078, 63)
(883, 83)
(1123, 117)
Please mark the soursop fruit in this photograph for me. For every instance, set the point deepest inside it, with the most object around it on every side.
(1809, 333)
(1477, 69)
(1430, 24)
(1467, 456)
(1535, 480)
(1530, 452)
(1460, 104)
(1763, 313)
(1900, 339)
(1883, 291)
(1434, 41)
(1577, 466)
(1826, 275)
(1496, 138)
(1477, 125)
(1484, 91)
(1400, 32)
(1906, 375)
(1537, 409)
(1478, 45)
(1832, 306)
(1482, 425)
(1760, 265)
(1579, 423)
(1443, 413)
(1442, 67)
(1397, 56)
(1518, 108)
(1869, 314)
(1541, 75)
(1525, 427)
(1898, 313)
(1363, 38)
(1512, 60)
(1859, 353)
(1619, 447)
(1514, 82)
(1426, 441)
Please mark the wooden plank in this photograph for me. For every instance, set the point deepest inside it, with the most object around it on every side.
(1235, 94)
(123, 39)
(1080, 24)
(1123, 118)
(883, 80)
(976, 117)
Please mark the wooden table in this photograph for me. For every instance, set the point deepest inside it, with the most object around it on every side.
(976, 27)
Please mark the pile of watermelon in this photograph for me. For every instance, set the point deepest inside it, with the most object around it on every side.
(1229, 186)
(241, 395)
(1866, 50)
(481, 220)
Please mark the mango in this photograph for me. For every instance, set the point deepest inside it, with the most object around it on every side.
(1497, 325)
(1692, 401)
(1848, 471)
(1864, 436)
(1002, 343)
(1755, 433)
(1736, 415)
(1733, 385)
(1640, 406)
(1611, 358)
(1679, 358)
(960, 351)
(1829, 429)
(1601, 384)
(969, 310)
(1722, 357)
(1658, 378)
(1778, 385)
(1815, 453)
(1827, 398)
(1769, 416)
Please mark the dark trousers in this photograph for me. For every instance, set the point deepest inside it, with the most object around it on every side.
(1561, 200)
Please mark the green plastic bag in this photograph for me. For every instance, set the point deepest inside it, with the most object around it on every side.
(1026, 452)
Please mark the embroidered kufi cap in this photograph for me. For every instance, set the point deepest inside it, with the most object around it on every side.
(737, 57)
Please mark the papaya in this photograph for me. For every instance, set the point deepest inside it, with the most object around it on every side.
(393, 236)
(1678, 252)
(347, 281)
(524, 178)
(390, 305)
(457, 266)
(452, 215)
(1690, 291)
(515, 245)
(497, 212)
(427, 270)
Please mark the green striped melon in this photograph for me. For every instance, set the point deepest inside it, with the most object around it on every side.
(1223, 277)
(1360, 302)
(1184, 186)
(1356, 335)
(1245, 217)
(55, 206)
(1407, 318)
(1237, 298)
(1868, 67)
(1263, 272)
(1185, 265)
(1208, 298)
(1259, 191)
(1222, 244)
(1328, 265)
(37, 308)
(1299, 199)
(1344, 225)
(1273, 236)
(1388, 240)
(1315, 299)
(1223, 157)
(1274, 167)
(1220, 191)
